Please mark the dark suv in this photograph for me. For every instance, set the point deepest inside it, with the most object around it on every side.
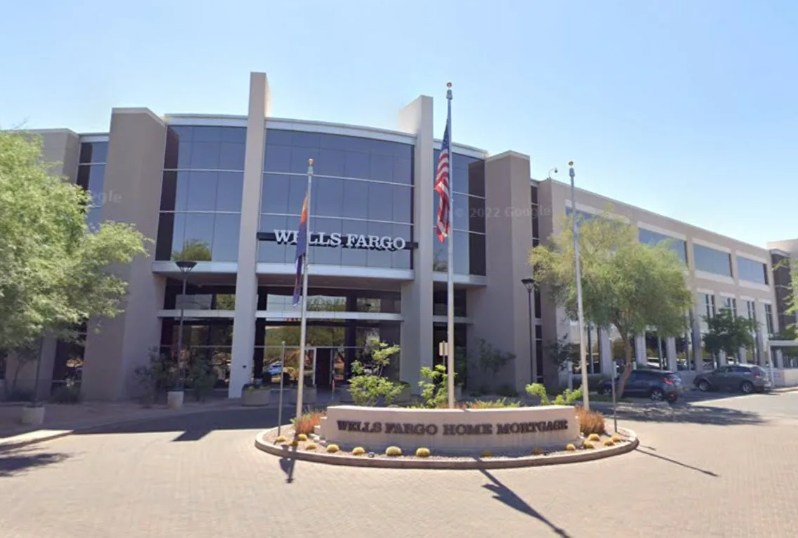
(655, 384)
(747, 378)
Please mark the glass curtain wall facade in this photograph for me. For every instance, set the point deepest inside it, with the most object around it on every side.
(360, 186)
(201, 194)
(91, 172)
(338, 342)
(468, 216)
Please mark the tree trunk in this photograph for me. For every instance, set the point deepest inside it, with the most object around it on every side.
(627, 369)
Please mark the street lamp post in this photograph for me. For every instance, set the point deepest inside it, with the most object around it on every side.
(185, 267)
(579, 312)
(529, 283)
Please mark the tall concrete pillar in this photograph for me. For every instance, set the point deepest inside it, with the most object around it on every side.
(247, 279)
(499, 311)
(416, 334)
(605, 353)
(133, 173)
(641, 353)
(695, 333)
(670, 353)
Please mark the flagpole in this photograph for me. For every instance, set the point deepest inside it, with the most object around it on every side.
(303, 320)
(450, 264)
(579, 311)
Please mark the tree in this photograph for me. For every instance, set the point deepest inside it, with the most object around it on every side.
(194, 250)
(368, 386)
(490, 359)
(55, 272)
(625, 284)
(728, 333)
(561, 352)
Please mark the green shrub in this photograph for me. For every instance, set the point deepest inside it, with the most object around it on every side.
(566, 398)
(280, 439)
(358, 451)
(332, 449)
(302, 437)
(492, 404)
(422, 453)
(434, 386)
(202, 376)
(310, 446)
(367, 388)
(537, 389)
(570, 447)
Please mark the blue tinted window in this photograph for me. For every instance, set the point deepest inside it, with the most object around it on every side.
(679, 246)
(711, 260)
(468, 174)
(354, 191)
(203, 175)
(751, 270)
(93, 152)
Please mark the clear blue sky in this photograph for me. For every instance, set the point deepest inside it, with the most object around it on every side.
(688, 108)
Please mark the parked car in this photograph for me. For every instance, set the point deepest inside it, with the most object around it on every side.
(275, 369)
(655, 384)
(747, 378)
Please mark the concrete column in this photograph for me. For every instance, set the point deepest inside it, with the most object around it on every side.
(247, 279)
(134, 173)
(698, 352)
(605, 352)
(499, 310)
(670, 352)
(641, 353)
(415, 338)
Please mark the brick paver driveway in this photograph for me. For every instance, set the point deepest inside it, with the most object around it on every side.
(707, 471)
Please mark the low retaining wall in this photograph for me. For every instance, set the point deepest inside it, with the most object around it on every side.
(452, 431)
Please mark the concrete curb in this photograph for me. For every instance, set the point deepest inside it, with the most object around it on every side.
(39, 436)
(452, 464)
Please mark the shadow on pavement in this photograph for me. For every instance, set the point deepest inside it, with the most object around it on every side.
(698, 396)
(17, 461)
(507, 496)
(675, 462)
(690, 414)
(195, 426)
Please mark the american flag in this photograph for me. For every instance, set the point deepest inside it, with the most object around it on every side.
(442, 182)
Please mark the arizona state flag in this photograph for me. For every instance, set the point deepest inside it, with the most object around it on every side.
(301, 249)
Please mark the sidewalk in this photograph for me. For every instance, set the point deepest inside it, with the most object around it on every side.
(61, 420)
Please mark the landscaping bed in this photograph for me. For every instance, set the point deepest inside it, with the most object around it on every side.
(310, 448)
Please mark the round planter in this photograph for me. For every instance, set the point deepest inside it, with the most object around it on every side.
(32, 415)
(174, 399)
(255, 397)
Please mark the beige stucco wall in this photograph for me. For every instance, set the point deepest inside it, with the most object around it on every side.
(437, 429)
(133, 172)
(554, 197)
(500, 310)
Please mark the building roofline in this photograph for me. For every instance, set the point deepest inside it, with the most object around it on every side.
(658, 215)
